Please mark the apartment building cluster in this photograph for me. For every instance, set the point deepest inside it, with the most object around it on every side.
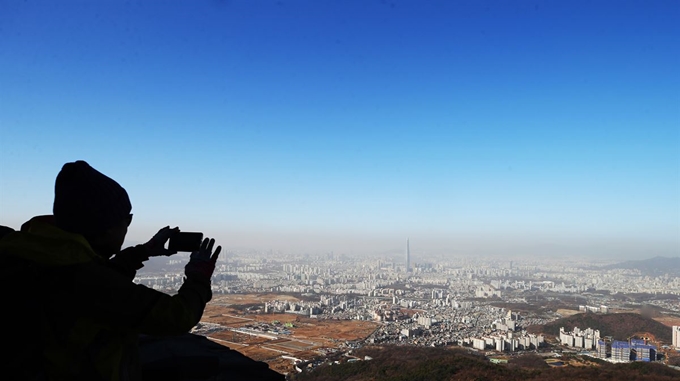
(595, 309)
(507, 323)
(627, 351)
(586, 339)
(487, 291)
(614, 351)
(506, 342)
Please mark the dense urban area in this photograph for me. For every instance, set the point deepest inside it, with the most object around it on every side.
(486, 305)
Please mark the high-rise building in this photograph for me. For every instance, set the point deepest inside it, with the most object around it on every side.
(408, 257)
(620, 351)
(676, 336)
(601, 349)
(643, 352)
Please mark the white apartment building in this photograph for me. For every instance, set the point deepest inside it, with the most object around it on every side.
(580, 338)
(485, 291)
(676, 336)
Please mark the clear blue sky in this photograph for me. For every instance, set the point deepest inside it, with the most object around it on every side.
(472, 127)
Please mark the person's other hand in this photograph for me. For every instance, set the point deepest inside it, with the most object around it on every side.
(156, 245)
(202, 262)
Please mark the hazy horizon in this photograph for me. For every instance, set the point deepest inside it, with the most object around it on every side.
(492, 247)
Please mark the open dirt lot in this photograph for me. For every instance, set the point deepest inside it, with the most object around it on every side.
(668, 320)
(268, 337)
(250, 298)
(567, 313)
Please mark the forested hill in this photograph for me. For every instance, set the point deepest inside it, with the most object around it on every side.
(401, 363)
(620, 326)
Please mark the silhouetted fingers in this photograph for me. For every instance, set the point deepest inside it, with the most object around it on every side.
(170, 232)
(216, 254)
(198, 254)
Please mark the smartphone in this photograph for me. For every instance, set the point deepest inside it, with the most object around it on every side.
(185, 241)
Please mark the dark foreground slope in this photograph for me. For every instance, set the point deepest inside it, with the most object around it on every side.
(620, 326)
(191, 358)
(432, 364)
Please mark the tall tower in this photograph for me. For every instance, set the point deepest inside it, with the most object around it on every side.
(408, 257)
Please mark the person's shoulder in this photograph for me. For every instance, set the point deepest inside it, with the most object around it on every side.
(5, 230)
(46, 245)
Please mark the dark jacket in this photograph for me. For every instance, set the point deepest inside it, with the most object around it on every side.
(74, 315)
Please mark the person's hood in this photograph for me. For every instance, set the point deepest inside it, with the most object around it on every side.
(41, 242)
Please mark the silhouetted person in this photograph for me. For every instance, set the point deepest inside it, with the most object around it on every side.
(72, 311)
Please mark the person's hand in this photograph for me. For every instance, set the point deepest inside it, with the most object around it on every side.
(202, 262)
(156, 245)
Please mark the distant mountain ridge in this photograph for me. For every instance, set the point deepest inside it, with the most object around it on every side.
(652, 267)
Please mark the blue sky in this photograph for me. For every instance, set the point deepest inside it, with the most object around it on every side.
(472, 127)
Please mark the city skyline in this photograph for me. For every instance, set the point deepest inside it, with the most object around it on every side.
(553, 306)
(474, 129)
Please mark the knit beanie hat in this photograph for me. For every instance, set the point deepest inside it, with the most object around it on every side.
(86, 201)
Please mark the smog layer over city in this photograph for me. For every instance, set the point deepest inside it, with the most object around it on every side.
(400, 190)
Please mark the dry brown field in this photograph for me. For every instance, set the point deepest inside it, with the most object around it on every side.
(567, 313)
(251, 298)
(668, 320)
(309, 338)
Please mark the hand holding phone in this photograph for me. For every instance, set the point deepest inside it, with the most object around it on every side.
(156, 245)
